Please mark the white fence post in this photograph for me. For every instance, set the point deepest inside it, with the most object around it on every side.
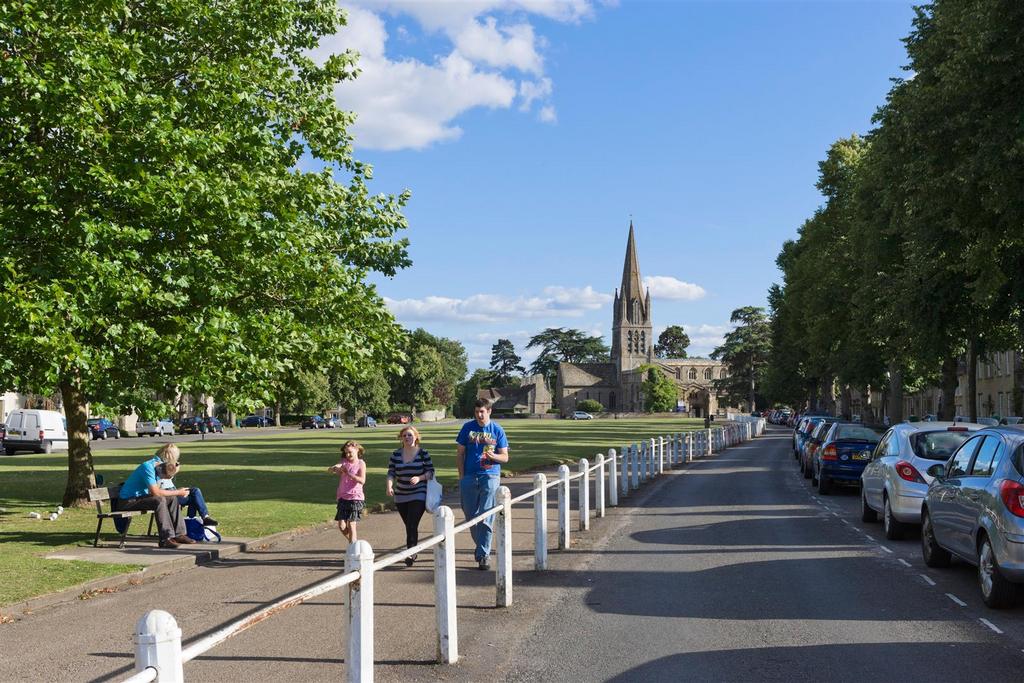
(158, 645)
(653, 449)
(661, 455)
(599, 486)
(444, 587)
(613, 478)
(540, 522)
(503, 548)
(584, 495)
(563, 507)
(689, 446)
(710, 447)
(359, 663)
(635, 467)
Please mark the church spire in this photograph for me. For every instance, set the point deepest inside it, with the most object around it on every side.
(631, 287)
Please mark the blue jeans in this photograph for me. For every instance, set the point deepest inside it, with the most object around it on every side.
(195, 503)
(478, 492)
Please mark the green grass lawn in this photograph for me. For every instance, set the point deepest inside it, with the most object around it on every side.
(257, 486)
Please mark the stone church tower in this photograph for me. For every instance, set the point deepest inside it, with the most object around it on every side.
(632, 345)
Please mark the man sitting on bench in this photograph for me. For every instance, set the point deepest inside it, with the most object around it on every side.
(142, 492)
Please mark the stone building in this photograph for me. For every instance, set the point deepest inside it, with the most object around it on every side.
(617, 385)
(532, 397)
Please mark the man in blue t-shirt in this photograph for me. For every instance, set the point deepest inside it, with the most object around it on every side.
(142, 491)
(482, 447)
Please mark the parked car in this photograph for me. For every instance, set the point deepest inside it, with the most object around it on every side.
(39, 431)
(580, 415)
(896, 480)
(1011, 420)
(974, 509)
(845, 449)
(334, 423)
(313, 422)
(988, 421)
(200, 425)
(399, 419)
(101, 428)
(803, 431)
(812, 443)
(257, 421)
(366, 421)
(162, 427)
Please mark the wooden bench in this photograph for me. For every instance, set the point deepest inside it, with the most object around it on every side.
(109, 494)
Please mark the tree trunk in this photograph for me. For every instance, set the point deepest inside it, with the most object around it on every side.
(949, 368)
(972, 380)
(895, 394)
(277, 413)
(828, 395)
(81, 475)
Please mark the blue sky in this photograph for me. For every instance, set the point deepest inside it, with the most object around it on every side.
(531, 131)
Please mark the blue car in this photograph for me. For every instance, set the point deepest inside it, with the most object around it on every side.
(844, 453)
(257, 421)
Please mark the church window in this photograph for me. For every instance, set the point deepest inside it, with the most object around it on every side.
(693, 373)
(643, 342)
(707, 374)
(722, 374)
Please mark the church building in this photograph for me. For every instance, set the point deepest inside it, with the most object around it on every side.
(617, 385)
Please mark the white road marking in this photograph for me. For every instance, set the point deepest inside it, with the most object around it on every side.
(904, 562)
(834, 513)
(956, 600)
(928, 579)
(885, 549)
(990, 625)
(846, 521)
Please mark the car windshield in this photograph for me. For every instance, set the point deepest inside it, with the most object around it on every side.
(937, 445)
(857, 433)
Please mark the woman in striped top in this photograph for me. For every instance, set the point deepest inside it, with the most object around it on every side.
(408, 472)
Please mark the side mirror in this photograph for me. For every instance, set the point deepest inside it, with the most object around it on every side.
(937, 471)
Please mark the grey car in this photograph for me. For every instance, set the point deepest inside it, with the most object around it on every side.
(974, 509)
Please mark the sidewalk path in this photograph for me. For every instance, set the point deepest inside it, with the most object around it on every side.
(91, 639)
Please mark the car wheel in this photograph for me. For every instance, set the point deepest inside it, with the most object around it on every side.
(893, 528)
(805, 470)
(824, 484)
(9, 451)
(117, 434)
(103, 435)
(996, 591)
(867, 513)
(933, 554)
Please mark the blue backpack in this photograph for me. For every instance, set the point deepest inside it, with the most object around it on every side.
(197, 532)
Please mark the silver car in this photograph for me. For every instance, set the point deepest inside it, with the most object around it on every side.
(975, 510)
(896, 480)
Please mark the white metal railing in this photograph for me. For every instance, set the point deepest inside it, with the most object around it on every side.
(158, 652)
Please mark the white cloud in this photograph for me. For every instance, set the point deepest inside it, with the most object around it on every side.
(406, 103)
(554, 302)
(668, 287)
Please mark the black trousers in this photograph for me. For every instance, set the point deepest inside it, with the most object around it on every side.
(169, 520)
(411, 513)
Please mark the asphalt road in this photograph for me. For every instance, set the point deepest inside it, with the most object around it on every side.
(735, 570)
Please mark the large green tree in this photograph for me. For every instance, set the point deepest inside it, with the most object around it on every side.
(158, 228)
(745, 350)
(672, 343)
(559, 344)
(660, 393)
(505, 362)
(452, 355)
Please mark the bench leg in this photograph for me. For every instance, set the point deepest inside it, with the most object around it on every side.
(152, 518)
(96, 541)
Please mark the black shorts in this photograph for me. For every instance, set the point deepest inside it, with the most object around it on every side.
(349, 510)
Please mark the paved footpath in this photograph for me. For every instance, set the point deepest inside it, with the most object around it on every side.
(86, 640)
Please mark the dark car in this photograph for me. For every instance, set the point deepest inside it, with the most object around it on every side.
(200, 425)
(314, 422)
(212, 424)
(101, 428)
(399, 419)
(812, 443)
(844, 453)
(256, 421)
(367, 421)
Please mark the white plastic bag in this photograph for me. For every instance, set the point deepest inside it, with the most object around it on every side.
(434, 492)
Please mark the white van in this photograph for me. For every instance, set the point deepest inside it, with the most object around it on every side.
(40, 431)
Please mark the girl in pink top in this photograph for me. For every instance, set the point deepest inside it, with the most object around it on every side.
(351, 473)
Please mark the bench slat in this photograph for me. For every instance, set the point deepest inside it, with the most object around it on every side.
(104, 493)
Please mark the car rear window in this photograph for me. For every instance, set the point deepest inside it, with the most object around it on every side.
(937, 445)
(857, 433)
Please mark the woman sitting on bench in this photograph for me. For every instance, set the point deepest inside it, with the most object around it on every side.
(142, 492)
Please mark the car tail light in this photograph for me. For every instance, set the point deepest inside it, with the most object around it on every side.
(829, 453)
(1012, 494)
(908, 472)
(42, 435)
